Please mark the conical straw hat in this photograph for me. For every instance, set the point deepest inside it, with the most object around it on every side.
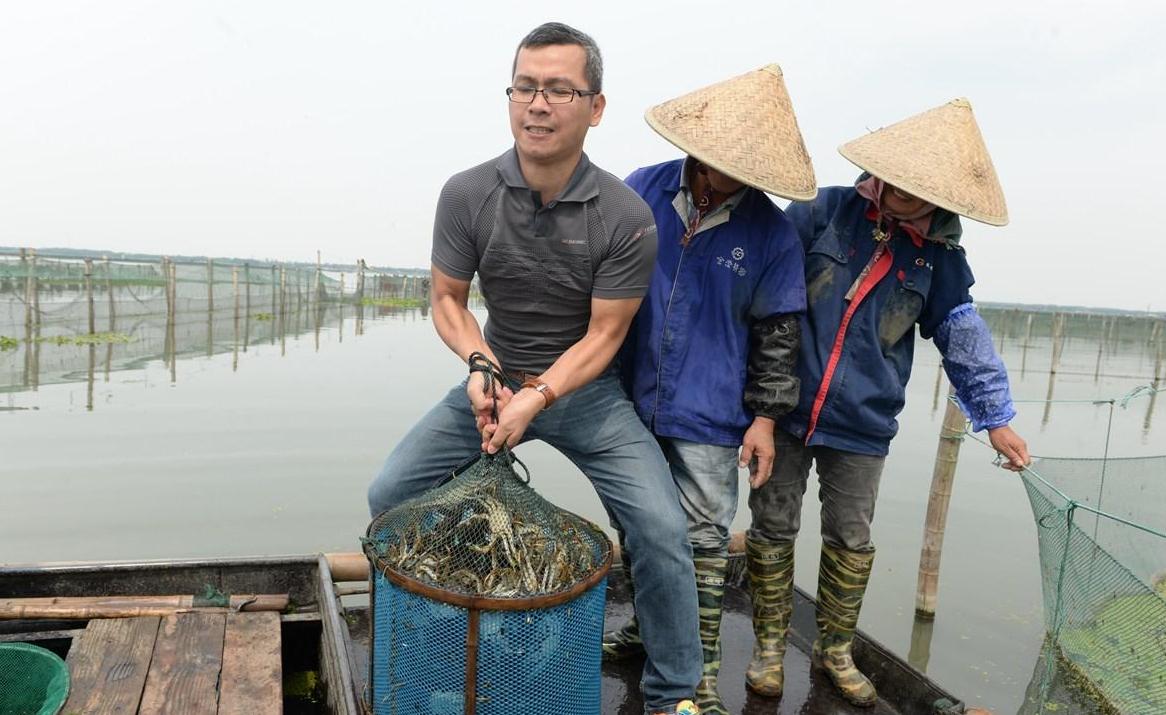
(939, 156)
(744, 128)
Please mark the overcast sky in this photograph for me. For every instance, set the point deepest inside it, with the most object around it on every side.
(273, 129)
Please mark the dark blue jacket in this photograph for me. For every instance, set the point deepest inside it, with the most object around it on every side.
(686, 354)
(854, 370)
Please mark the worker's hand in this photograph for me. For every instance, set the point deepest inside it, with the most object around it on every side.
(1011, 447)
(513, 419)
(483, 403)
(757, 451)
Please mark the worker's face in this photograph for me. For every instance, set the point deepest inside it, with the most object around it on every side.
(899, 202)
(721, 183)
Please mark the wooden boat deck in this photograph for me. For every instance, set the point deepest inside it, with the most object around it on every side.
(196, 663)
(175, 663)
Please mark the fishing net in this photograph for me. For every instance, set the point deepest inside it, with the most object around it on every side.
(487, 599)
(33, 681)
(1101, 530)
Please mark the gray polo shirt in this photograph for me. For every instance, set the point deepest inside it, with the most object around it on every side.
(540, 266)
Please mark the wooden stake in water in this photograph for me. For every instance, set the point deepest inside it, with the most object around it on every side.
(340, 306)
(951, 434)
(210, 285)
(89, 294)
(28, 265)
(112, 316)
(1058, 341)
(1027, 340)
(319, 289)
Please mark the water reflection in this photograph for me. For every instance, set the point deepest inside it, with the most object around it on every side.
(53, 335)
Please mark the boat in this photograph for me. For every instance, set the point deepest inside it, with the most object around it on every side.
(324, 638)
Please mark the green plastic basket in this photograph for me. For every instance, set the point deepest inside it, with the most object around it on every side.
(33, 681)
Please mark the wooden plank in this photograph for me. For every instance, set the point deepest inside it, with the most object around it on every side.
(108, 664)
(184, 672)
(252, 679)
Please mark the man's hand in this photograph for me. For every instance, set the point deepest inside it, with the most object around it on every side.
(485, 403)
(757, 451)
(1009, 445)
(513, 419)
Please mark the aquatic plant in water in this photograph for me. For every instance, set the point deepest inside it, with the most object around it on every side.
(85, 339)
(394, 302)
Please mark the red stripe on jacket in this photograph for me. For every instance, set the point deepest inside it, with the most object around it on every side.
(881, 260)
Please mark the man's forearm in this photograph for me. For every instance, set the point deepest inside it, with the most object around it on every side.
(459, 329)
(583, 362)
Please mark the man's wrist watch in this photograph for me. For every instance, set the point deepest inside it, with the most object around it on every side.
(543, 389)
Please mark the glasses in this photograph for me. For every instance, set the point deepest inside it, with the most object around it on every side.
(552, 95)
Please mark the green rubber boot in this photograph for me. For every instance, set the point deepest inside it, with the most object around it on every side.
(842, 579)
(625, 641)
(771, 583)
(710, 595)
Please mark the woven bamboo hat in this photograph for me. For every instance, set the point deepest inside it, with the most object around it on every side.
(939, 156)
(744, 128)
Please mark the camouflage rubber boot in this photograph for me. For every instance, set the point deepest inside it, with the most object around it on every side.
(710, 594)
(624, 642)
(842, 579)
(771, 583)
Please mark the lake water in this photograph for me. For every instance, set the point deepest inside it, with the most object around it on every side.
(259, 435)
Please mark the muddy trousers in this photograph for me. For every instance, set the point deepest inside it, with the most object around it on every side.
(848, 488)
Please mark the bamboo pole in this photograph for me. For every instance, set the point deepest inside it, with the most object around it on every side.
(235, 341)
(112, 317)
(1058, 341)
(1100, 351)
(89, 294)
(171, 326)
(319, 278)
(210, 285)
(938, 382)
(340, 307)
(1027, 341)
(951, 434)
(28, 265)
(130, 606)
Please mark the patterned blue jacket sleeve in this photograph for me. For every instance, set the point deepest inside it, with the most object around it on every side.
(974, 368)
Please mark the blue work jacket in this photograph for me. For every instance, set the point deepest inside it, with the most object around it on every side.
(685, 357)
(857, 351)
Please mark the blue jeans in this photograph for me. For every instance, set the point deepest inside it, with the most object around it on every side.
(848, 485)
(706, 476)
(597, 428)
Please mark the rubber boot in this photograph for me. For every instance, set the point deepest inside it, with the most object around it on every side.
(842, 580)
(710, 594)
(771, 582)
(624, 642)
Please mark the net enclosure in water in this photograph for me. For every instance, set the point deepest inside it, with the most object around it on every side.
(1101, 526)
(486, 599)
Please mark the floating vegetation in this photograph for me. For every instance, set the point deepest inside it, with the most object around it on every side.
(85, 339)
(395, 302)
(7, 343)
(264, 316)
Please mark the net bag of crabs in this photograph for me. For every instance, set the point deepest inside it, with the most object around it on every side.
(486, 599)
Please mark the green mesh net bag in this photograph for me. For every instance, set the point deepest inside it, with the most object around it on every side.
(1101, 526)
(486, 599)
(33, 681)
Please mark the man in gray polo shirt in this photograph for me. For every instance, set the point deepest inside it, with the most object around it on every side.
(563, 251)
